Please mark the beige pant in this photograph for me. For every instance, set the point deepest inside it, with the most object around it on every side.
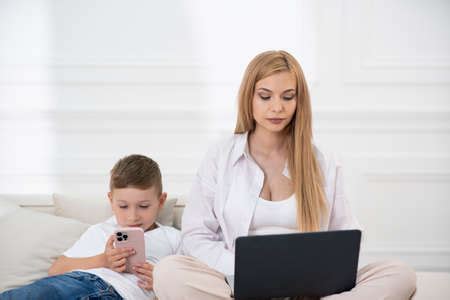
(181, 277)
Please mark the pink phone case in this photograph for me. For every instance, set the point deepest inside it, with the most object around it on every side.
(132, 237)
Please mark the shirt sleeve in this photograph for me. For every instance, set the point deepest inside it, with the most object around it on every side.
(92, 242)
(341, 217)
(201, 236)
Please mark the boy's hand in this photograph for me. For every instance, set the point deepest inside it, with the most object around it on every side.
(115, 259)
(145, 273)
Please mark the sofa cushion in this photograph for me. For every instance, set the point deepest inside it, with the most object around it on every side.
(93, 209)
(6, 207)
(31, 241)
(432, 285)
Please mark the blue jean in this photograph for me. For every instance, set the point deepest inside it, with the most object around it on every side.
(73, 285)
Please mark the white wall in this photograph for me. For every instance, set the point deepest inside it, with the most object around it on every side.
(83, 83)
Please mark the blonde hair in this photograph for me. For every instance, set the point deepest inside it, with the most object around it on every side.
(302, 163)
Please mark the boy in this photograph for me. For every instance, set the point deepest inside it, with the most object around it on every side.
(136, 197)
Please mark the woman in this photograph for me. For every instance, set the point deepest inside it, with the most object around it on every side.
(267, 178)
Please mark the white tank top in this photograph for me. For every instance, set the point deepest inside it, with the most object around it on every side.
(274, 217)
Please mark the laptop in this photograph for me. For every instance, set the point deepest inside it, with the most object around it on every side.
(312, 264)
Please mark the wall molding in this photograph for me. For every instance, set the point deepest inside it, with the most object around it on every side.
(417, 62)
(436, 176)
(168, 68)
(407, 176)
(82, 177)
(110, 62)
(207, 121)
(175, 183)
(362, 66)
(117, 73)
(431, 258)
(444, 250)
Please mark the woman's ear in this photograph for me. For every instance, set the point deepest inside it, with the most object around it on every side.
(162, 199)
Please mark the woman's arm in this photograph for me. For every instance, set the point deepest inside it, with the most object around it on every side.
(200, 232)
(341, 216)
(201, 236)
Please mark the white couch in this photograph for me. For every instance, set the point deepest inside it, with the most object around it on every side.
(38, 228)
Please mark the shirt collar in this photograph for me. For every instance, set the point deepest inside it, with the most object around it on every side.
(240, 147)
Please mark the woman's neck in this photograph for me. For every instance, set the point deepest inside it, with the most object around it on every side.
(265, 143)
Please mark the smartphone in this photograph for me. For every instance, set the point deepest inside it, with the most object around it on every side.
(131, 237)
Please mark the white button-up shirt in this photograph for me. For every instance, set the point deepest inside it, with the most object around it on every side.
(223, 197)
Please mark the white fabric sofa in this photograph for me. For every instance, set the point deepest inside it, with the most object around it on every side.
(38, 228)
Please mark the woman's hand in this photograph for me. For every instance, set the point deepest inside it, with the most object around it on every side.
(115, 258)
(145, 273)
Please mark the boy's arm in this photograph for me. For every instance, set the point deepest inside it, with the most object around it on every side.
(65, 264)
(112, 258)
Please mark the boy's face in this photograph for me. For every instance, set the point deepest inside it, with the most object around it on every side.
(134, 207)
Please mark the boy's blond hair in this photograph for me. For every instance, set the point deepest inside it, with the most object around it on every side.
(136, 171)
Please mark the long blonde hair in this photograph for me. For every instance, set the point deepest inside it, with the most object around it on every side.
(302, 163)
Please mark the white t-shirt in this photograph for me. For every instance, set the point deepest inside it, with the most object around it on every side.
(274, 217)
(159, 242)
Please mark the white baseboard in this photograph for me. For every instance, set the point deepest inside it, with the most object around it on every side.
(435, 259)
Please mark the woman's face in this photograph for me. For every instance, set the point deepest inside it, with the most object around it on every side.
(275, 101)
